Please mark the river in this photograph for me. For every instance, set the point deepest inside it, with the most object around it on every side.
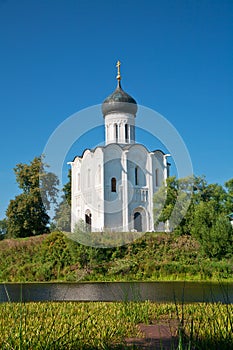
(187, 292)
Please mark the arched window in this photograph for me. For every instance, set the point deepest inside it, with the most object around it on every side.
(113, 184)
(138, 221)
(136, 176)
(88, 220)
(156, 177)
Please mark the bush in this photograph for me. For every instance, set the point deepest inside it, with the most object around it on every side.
(56, 249)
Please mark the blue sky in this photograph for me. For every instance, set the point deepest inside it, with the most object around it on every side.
(58, 57)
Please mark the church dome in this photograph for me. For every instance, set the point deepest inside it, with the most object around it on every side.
(119, 100)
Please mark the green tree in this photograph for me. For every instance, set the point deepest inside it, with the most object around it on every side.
(221, 238)
(229, 189)
(63, 211)
(172, 200)
(213, 230)
(62, 216)
(27, 213)
(165, 199)
(3, 228)
(214, 194)
(206, 218)
(67, 189)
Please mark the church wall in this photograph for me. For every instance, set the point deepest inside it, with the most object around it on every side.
(75, 192)
(158, 170)
(139, 180)
(159, 176)
(87, 188)
(113, 196)
(92, 192)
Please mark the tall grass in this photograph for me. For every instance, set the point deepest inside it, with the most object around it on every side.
(63, 325)
(100, 325)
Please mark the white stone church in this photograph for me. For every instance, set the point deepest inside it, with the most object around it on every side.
(113, 185)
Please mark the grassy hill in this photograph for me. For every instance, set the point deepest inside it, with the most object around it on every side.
(155, 256)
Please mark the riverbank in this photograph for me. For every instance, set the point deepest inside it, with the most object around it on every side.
(153, 257)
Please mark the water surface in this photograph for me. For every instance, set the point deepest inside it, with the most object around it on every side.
(188, 292)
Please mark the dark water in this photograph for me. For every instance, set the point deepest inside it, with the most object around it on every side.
(187, 292)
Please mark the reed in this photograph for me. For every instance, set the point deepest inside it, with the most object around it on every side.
(70, 325)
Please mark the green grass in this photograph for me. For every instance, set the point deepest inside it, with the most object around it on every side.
(154, 256)
(107, 325)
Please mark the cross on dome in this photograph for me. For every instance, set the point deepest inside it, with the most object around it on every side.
(118, 65)
(119, 101)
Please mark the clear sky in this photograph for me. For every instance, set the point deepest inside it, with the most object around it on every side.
(58, 57)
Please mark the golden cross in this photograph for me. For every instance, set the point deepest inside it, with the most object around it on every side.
(118, 70)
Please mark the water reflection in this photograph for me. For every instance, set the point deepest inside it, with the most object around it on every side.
(187, 292)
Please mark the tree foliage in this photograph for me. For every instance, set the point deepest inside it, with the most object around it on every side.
(63, 216)
(3, 228)
(206, 217)
(63, 211)
(27, 213)
(67, 189)
(172, 200)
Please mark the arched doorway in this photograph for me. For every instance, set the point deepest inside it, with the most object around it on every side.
(88, 220)
(137, 221)
(140, 219)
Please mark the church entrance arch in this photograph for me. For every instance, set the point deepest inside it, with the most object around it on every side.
(139, 220)
(88, 220)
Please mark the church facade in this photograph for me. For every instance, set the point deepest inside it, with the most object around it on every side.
(113, 185)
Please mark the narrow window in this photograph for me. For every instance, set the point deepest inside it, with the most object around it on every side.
(116, 132)
(113, 184)
(132, 133)
(136, 176)
(157, 177)
(126, 133)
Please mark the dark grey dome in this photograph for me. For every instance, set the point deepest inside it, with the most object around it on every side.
(119, 101)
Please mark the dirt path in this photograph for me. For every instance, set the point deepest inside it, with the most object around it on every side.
(161, 336)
